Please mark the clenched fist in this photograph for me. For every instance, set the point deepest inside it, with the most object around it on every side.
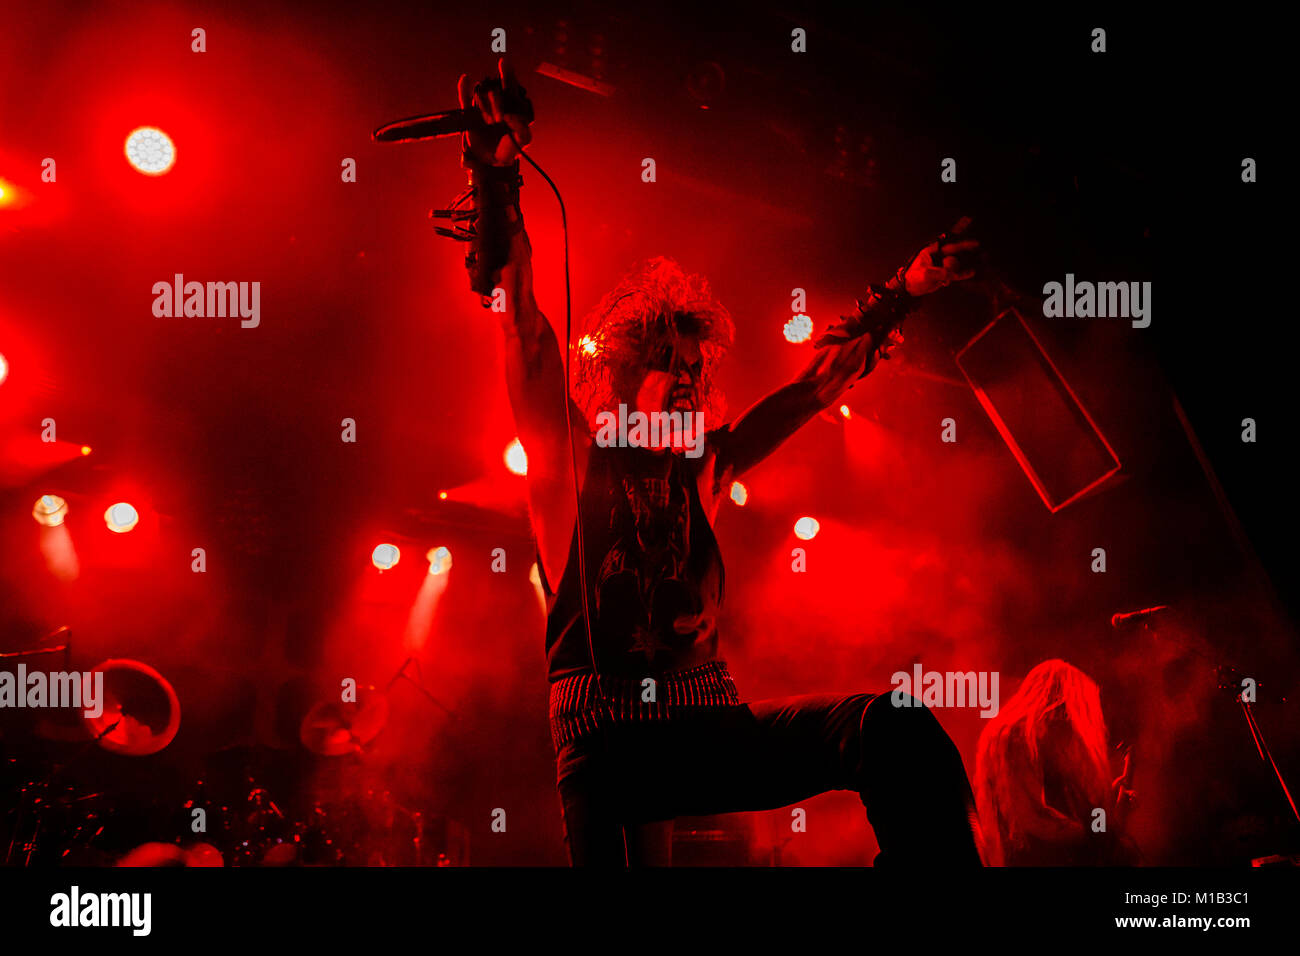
(942, 262)
(501, 115)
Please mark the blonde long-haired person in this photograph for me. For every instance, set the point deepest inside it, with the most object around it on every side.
(1042, 770)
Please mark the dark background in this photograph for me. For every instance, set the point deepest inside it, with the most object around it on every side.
(776, 171)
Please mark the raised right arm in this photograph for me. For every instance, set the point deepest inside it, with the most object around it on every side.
(534, 364)
(536, 384)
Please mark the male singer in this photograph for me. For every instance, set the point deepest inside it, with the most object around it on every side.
(657, 730)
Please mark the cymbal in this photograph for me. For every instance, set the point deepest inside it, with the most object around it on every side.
(335, 728)
(141, 713)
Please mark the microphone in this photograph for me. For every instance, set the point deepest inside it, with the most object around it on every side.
(451, 122)
(413, 129)
(1118, 620)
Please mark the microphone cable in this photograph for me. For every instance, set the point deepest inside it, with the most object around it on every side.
(568, 424)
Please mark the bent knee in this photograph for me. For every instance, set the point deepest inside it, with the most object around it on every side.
(899, 719)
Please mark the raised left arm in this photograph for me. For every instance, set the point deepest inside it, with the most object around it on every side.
(765, 426)
(844, 355)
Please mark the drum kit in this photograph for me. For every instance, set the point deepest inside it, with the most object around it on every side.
(228, 816)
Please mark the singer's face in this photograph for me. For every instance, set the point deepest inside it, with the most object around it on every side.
(672, 379)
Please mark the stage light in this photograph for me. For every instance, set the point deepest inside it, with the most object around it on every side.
(4, 369)
(150, 151)
(85, 449)
(798, 329)
(739, 493)
(439, 560)
(806, 528)
(442, 496)
(50, 510)
(121, 517)
(385, 556)
(587, 345)
(516, 459)
(846, 412)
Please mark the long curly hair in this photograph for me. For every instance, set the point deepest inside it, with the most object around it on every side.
(1041, 764)
(649, 308)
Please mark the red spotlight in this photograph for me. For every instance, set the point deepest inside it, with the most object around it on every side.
(85, 449)
(846, 412)
(385, 556)
(806, 528)
(516, 459)
(50, 510)
(439, 560)
(4, 369)
(739, 493)
(121, 517)
(798, 329)
(150, 150)
(442, 496)
(13, 197)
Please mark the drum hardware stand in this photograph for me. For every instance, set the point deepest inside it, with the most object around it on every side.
(37, 792)
(417, 683)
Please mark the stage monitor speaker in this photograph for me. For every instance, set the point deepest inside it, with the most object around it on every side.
(1050, 433)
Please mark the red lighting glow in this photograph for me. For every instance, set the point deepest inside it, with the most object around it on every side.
(806, 528)
(150, 150)
(516, 459)
(50, 510)
(798, 329)
(439, 560)
(121, 517)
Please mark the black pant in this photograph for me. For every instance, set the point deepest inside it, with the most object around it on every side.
(616, 785)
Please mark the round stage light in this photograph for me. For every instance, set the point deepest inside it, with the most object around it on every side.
(50, 510)
(150, 151)
(739, 493)
(385, 556)
(798, 329)
(846, 412)
(121, 517)
(85, 449)
(439, 560)
(516, 459)
(4, 369)
(806, 528)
